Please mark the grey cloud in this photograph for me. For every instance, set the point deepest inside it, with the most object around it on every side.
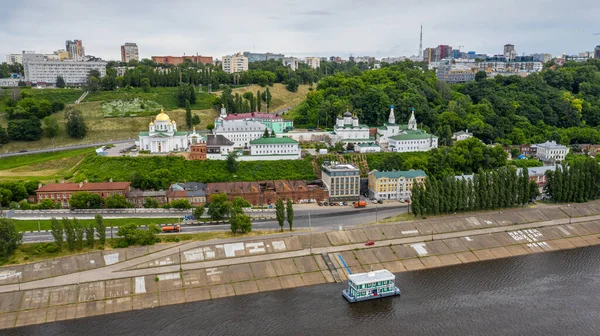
(316, 12)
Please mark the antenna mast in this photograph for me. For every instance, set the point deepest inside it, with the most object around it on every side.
(421, 44)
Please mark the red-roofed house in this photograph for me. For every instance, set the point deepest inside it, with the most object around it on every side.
(61, 192)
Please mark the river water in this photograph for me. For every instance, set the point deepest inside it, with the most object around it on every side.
(556, 293)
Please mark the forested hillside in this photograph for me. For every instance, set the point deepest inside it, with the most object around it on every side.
(557, 104)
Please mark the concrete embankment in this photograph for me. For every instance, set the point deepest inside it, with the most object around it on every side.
(208, 270)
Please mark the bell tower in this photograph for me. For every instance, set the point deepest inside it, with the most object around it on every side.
(412, 122)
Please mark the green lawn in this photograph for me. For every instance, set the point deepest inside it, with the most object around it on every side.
(32, 225)
(67, 96)
(164, 96)
(31, 159)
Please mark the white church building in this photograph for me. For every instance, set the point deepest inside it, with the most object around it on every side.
(348, 129)
(241, 132)
(405, 138)
(163, 137)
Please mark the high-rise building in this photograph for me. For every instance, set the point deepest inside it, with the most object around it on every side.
(313, 62)
(509, 52)
(129, 51)
(235, 63)
(597, 52)
(39, 69)
(75, 50)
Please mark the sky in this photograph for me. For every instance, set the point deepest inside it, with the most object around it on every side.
(377, 28)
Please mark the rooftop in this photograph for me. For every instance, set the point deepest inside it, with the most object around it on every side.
(370, 277)
(217, 140)
(272, 141)
(399, 173)
(551, 145)
(84, 186)
(413, 135)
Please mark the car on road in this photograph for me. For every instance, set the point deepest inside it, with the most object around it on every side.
(374, 201)
(380, 201)
(320, 203)
(171, 228)
(330, 203)
(23, 151)
(369, 243)
(345, 203)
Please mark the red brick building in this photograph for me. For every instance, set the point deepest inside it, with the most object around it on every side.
(197, 151)
(61, 192)
(267, 192)
(176, 60)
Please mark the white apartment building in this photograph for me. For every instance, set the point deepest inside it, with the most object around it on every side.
(129, 51)
(313, 62)
(235, 63)
(40, 70)
(241, 132)
(551, 151)
(291, 62)
(14, 58)
(275, 147)
(342, 181)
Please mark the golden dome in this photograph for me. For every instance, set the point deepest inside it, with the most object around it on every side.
(162, 116)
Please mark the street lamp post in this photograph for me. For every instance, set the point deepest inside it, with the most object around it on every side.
(310, 234)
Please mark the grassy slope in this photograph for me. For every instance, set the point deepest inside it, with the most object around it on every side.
(43, 166)
(282, 98)
(165, 96)
(32, 225)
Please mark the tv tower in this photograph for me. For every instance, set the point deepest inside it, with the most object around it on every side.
(421, 44)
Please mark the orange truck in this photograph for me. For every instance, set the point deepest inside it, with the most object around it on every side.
(171, 228)
(360, 204)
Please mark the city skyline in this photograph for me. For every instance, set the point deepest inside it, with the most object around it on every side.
(309, 28)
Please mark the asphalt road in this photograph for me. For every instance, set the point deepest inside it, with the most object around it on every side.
(58, 149)
(319, 221)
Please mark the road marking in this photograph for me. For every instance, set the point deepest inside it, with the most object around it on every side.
(563, 230)
(169, 276)
(10, 274)
(409, 232)
(467, 238)
(279, 245)
(231, 248)
(112, 258)
(140, 285)
(420, 248)
(258, 247)
(193, 255)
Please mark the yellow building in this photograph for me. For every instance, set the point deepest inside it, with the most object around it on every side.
(394, 184)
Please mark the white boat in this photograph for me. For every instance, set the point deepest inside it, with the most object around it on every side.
(371, 285)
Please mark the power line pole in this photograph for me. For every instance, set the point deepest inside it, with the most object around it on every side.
(421, 44)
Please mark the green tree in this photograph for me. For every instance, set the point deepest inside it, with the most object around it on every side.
(79, 232)
(57, 232)
(266, 133)
(268, 98)
(60, 82)
(258, 100)
(181, 204)
(147, 237)
(48, 204)
(292, 85)
(188, 115)
(50, 126)
(4, 139)
(240, 202)
(240, 222)
(480, 76)
(210, 127)
(145, 84)
(116, 201)
(198, 212)
(10, 238)
(219, 206)
(196, 120)
(76, 126)
(29, 129)
(71, 236)
(93, 84)
(150, 202)
(231, 162)
(280, 212)
(128, 234)
(100, 229)
(89, 235)
(534, 191)
(290, 213)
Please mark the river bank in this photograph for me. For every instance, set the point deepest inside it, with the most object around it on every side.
(209, 270)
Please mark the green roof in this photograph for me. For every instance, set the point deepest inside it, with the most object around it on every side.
(180, 133)
(400, 173)
(273, 141)
(144, 133)
(413, 135)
